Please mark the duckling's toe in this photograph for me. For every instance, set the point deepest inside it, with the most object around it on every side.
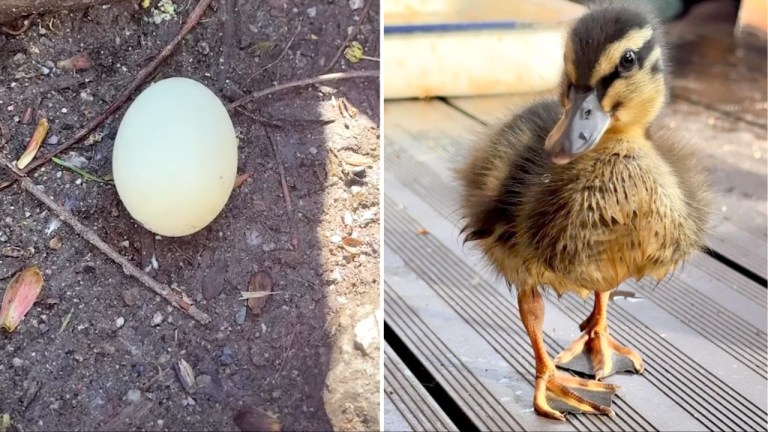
(558, 394)
(597, 354)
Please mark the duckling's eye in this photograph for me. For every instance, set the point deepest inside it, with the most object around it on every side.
(627, 61)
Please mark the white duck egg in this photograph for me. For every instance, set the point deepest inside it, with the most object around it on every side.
(175, 157)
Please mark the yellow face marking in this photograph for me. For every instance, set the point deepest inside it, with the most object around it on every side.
(570, 70)
(635, 39)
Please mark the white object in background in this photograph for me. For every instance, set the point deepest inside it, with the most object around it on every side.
(175, 157)
(474, 47)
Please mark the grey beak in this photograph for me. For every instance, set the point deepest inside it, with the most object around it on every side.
(580, 128)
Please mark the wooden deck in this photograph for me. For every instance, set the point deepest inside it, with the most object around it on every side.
(457, 356)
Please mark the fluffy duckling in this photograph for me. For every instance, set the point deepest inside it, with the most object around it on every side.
(580, 194)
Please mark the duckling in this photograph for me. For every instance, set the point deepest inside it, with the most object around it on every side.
(582, 193)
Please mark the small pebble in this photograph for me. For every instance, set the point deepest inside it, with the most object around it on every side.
(55, 243)
(119, 322)
(52, 140)
(17, 362)
(19, 59)
(203, 381)
(138, 369)
(240, 316)
(203, 47)
(3, 237)
(134, 395)
(157, 319)
(64, 110)
(79, 181)
(227, 357)
(312, 12)
(43, 328)
(312, 150)
(356, 4)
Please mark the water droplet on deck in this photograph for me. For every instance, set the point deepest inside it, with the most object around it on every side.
(546, 178)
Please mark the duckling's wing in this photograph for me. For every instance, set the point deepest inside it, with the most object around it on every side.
(500, 168)
(692, 179)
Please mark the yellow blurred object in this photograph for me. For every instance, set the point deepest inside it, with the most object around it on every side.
(753, 16)
(145, 3)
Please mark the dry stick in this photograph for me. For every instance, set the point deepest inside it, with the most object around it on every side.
(24, 27)
(194, 17)
(350, 36)
(286, 192)
(303, 82)
(162, 290)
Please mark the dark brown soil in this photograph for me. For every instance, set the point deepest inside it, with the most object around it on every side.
(86, 376)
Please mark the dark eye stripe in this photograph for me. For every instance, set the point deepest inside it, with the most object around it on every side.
(605, 82)
(645, 51)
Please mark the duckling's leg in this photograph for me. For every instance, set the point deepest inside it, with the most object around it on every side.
(566, 391)
(607, 356)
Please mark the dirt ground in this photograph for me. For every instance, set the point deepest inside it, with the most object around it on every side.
(112, 365)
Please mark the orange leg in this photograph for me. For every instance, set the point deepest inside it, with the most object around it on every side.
(549, 381)
(599, 344)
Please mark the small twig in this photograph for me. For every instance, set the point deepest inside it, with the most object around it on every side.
(299, 280)
(303, 82)
(162, 290)
(285, 357)
(281, 169)
(278, 58)
(24, 27)
(286, 191)
(194, 17)
(261, 120)
(350, 36)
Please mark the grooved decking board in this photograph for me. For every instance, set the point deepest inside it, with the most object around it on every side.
(702, 334)
(734, 153)
(407, 405)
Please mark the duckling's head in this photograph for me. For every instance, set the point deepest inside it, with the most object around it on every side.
(613, 80)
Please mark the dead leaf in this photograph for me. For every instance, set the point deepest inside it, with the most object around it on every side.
(422, 231)
(77, 62)
(13, 251)
(186, 376)
(27, 116)
(355, 159)
(351, 244)
(34, 144)
(346, 109)
(5, 422)
(20, 295)
(213, 281)
(239, 180)
(256, 420)
(32, 387)
(261, 282)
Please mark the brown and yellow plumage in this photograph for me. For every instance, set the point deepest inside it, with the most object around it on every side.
(583, 193)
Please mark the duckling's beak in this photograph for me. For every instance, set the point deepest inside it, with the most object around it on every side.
(580, 128)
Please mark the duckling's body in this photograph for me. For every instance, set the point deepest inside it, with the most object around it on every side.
(581, 194)
(629, 208)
